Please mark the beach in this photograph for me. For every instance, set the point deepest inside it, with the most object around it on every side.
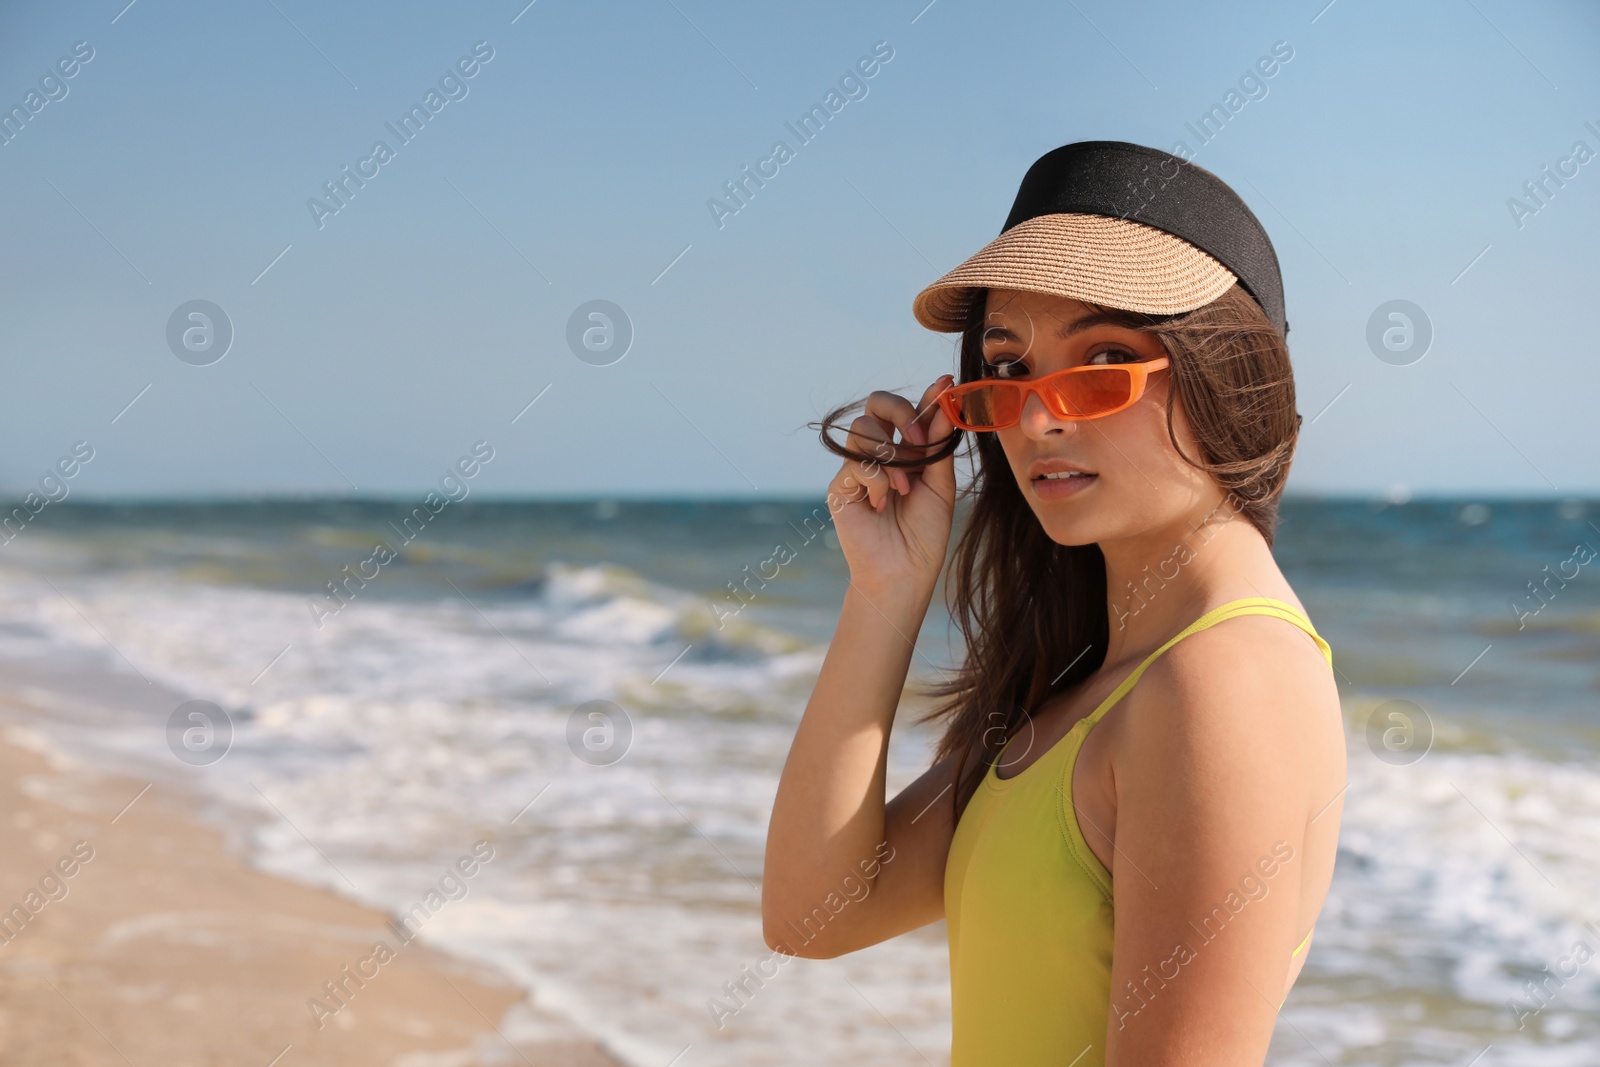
(164, 946)
(429, 752)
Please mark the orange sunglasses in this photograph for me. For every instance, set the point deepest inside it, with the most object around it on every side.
(1088, 392)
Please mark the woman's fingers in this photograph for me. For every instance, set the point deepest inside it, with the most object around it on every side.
(893, 412)
(912, 421)
(936, 426)
(873, 433)
(846, 488)
(871, 436)
(918, 430)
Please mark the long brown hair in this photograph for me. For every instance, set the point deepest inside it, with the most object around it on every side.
(1232, 377)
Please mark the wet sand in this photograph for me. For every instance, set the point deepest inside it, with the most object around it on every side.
(131, 935)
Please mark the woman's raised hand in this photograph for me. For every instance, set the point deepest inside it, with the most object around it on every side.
(894, 522)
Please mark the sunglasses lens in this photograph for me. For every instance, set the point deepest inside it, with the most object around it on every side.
(1083, 394)
(990, 406)
(1088, 393)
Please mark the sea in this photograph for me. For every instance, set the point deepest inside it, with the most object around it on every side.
(578, 684)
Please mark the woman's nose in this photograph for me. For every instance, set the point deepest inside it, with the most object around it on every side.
(1038, 420)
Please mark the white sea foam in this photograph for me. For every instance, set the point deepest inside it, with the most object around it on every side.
(375, 749)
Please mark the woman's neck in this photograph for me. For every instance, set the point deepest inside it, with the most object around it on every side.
(1162, 580)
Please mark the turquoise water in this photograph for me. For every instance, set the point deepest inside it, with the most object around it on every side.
(434, 698)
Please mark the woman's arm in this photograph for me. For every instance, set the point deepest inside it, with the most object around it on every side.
(832, 836)
(843, 868)
(1230, 749)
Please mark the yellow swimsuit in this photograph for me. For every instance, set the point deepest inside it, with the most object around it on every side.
(1028, 906)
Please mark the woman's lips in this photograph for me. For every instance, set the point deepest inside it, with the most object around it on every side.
(1061, 488)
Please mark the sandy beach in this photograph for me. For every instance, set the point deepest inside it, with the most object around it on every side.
(439, 710)
(131, 934)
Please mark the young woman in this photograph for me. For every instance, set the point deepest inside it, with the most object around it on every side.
(1131, 818)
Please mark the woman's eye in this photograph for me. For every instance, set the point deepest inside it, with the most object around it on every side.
(1004, 368)
(1111, 356)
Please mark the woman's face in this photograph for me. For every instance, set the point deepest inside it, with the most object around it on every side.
(1133, 481)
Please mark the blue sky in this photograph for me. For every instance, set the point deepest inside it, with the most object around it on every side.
(576, 164)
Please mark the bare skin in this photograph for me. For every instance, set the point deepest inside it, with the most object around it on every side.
(1230, 743)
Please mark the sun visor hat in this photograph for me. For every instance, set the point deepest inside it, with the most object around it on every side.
(1121, 225)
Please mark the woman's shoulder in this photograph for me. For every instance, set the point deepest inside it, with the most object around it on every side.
(1252, 694)
(1243, 658)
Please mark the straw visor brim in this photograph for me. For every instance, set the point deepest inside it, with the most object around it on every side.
(1093, 258)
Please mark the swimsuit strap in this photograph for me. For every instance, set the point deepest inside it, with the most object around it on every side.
(1258, 605)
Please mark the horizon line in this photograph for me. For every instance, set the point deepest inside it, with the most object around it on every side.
(174, 500)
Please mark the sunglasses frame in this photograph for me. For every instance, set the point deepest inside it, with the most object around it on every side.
(1138, 373)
